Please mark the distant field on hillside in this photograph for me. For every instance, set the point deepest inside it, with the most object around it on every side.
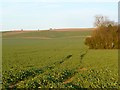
(55, 59)
(46, 33)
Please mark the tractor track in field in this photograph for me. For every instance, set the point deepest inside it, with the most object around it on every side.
(79, 69)
(67, 79)
(41, 71)
(70, 79)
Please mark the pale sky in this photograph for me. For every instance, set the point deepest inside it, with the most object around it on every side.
(54, 14)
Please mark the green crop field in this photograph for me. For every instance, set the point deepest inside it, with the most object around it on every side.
(54, 59)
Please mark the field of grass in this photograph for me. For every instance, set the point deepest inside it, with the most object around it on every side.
(53, 59)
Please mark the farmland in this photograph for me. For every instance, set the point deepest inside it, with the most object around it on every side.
(55, 59)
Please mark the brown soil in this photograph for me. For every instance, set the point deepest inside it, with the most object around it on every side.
(14, 32)
(73, 29)
(68, 80)
(53, 38)
(82, 69)
(77, 36)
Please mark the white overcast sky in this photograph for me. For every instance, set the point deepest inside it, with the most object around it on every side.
(45, 14)
(59, 0)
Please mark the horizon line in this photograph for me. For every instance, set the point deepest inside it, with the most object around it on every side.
(47, 29)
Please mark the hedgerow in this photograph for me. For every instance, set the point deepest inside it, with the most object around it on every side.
(105, 36)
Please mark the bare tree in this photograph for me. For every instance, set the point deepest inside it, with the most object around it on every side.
(103, 21)
(99, 20)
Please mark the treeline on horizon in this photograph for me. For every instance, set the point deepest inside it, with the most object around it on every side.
(106, 35)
